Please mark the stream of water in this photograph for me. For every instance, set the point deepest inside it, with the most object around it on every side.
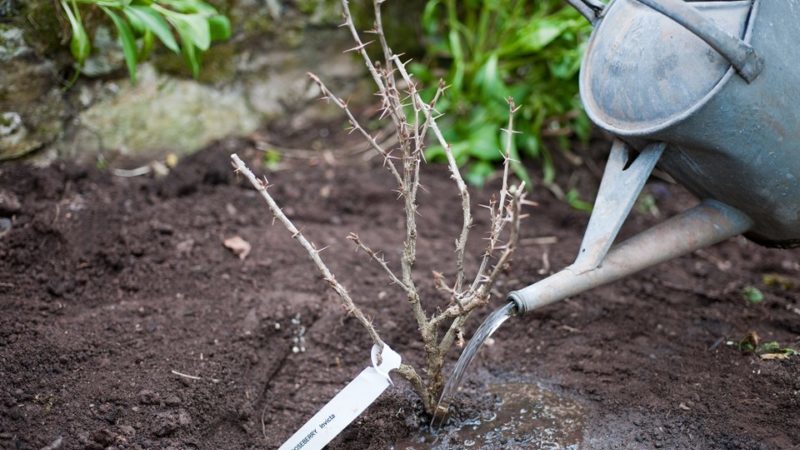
(487, 328)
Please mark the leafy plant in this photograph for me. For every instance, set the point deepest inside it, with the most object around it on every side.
(139, 22)
(772, 350)
(775, 348)
(495, 49)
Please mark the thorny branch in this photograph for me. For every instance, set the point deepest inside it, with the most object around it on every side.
(412, 121)
(313, 253)
(328, 95)
(455, 173)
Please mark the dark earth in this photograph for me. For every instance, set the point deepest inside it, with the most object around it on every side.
(126, 324)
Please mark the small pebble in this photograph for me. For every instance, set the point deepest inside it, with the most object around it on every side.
(5, 226)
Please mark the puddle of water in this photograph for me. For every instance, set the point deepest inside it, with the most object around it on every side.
(487, 328)
(524, 415)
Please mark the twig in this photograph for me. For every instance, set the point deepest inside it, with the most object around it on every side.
(192, 377)
(313, 253)
(455, 173)
(328, 95)
(498, 221)
(378, 259)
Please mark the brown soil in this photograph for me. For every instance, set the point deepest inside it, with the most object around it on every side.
(108, 286)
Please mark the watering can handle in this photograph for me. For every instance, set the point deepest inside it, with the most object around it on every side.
(741, 55)
(591, 9)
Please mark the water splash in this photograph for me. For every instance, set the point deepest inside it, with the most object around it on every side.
(517, 413)
(487, 328)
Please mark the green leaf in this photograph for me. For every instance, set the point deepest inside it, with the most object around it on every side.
(752, 295)
(539, 33)
(769, 347)
(192, 27)
(129, 49)
(189, 52)
(137, 26)
(573, 199)
(190, 6)
(219, 27)
(484, 143)
(479, 172)
(152, 20)
(147, 45)
(457, 78)
(488, 79)
(80, 45)
(435, 153)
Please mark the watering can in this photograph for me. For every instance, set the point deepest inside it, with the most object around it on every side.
(710, 92)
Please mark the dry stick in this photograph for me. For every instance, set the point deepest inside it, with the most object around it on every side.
(378, 259)
(461, 243)
(350, 306)
(387, 52)
(478, 292)
(511, 246)
(408, 188)
(482, 294)
(394, 109)
(328, 95)
(411, 161)
(497, 223)
(510, 213)
(348, 22)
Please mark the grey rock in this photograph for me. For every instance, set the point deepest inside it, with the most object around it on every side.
(9, 203)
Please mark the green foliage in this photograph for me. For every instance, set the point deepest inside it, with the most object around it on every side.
(272, 159)
(752, 294)
(573, 199)
(775, 347)
(488, 50)
(140, 22)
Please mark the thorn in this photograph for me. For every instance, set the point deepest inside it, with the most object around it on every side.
(358, 48)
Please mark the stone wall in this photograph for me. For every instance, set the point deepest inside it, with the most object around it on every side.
(258, 75)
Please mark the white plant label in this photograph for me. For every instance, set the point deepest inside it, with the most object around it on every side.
(348, 404)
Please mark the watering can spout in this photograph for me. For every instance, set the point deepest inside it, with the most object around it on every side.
(704, 225)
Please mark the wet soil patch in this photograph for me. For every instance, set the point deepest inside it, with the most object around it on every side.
(125, 322)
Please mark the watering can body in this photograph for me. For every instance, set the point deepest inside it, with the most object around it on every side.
(710, 91)
(731, 137)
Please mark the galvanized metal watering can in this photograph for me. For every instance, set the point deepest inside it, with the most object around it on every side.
(709, 91)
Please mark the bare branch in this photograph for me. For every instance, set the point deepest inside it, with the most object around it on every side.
(387, 52)
(514, 217)
(313, 253)
(461, 244)
(481, 295)
(356, 126)
(498, 216)
(378, 259)
(410, 374)
(348, 22)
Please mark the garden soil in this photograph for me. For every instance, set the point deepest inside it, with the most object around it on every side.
(125, 323)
